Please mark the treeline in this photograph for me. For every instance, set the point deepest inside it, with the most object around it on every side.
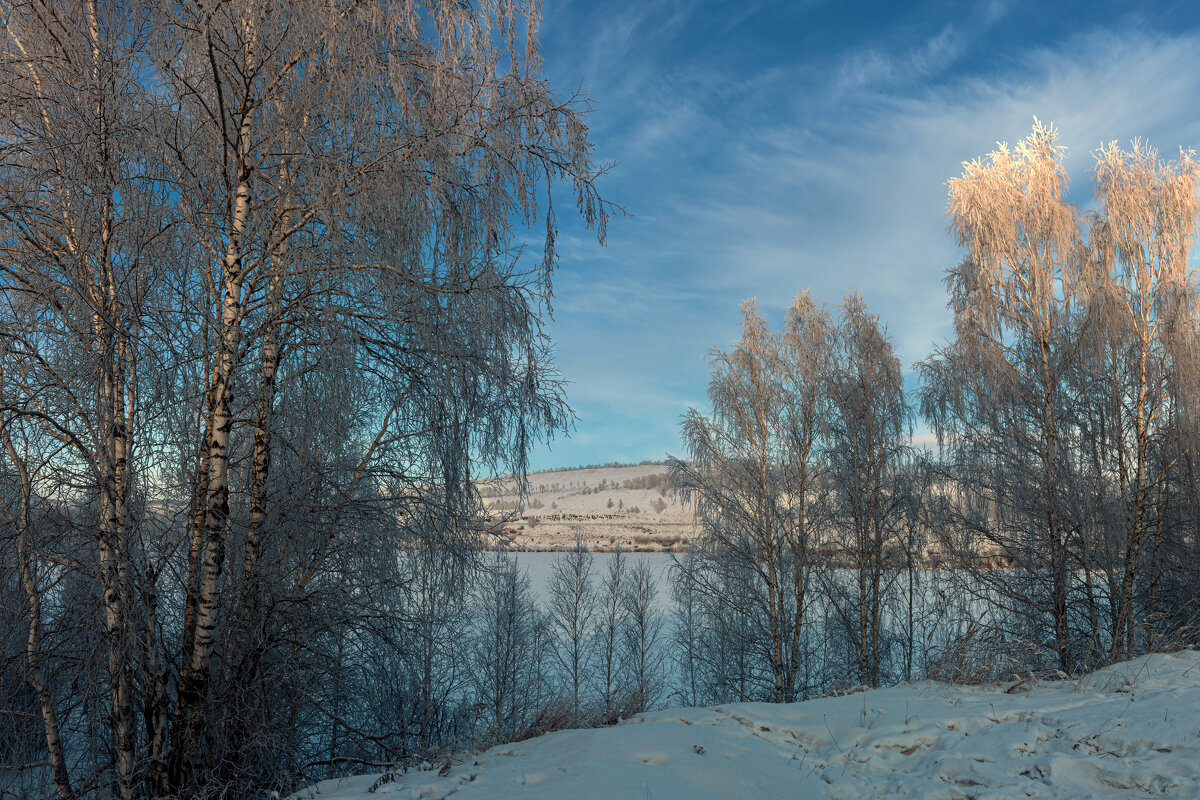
(487, 657)
(265, 313)
(1061, 492)
(605, 465)
(658, 480)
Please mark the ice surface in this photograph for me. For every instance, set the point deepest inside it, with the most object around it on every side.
(1131, 730)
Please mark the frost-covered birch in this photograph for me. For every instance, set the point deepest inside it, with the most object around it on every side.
(996, 393)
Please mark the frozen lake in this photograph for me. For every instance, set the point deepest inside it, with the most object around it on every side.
(537, 565)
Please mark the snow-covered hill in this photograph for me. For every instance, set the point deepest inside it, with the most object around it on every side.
(631, 506)
(1132, 730)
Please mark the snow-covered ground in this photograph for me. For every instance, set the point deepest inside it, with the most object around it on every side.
(1132, 730)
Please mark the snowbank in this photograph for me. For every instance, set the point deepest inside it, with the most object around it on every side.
(1132, 730)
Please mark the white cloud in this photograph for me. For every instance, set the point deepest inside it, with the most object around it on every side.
(863, 205)
(877, 67)
(778, 185)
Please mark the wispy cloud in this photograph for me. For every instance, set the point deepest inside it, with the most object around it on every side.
(877, 67)
(764, 178)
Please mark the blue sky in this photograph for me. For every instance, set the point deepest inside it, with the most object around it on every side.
(765, 148)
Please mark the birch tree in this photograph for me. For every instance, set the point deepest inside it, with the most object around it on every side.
(749, 471)
(507, 650)
(454, 164)
(610, 629)
(1142, 303)
(996, 394)
(266, 295)
(571, 610)
(867, 442)
(18, 514)
(643, 637)
(82, 219)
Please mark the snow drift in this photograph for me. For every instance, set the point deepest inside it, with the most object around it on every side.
(1131, 730)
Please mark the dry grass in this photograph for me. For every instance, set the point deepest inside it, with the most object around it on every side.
(981, 654)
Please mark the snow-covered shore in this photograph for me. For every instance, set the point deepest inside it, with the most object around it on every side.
(1131, 730)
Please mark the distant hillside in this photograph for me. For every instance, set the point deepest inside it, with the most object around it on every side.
(606, 465)
(629, 505)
